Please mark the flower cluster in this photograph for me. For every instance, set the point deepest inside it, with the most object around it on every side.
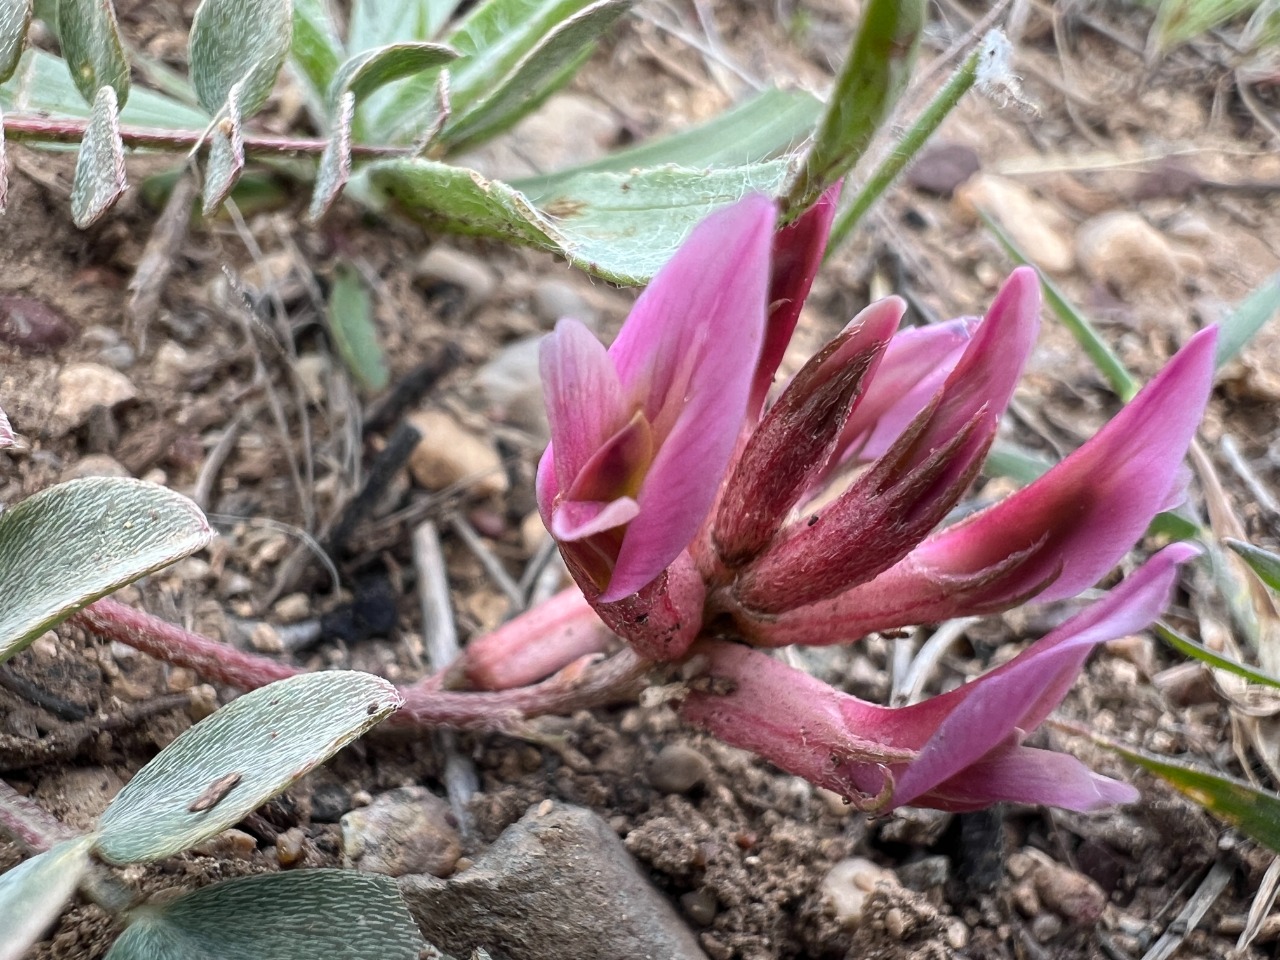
(701, 520)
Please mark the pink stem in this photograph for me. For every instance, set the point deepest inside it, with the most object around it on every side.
(46, 130)
(534, 645)
(582, 684)
(219, 662)
(29, 825)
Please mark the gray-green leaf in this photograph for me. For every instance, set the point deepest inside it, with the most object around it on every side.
(34, 892)
(66, 546)
(622, 227)
(315, 50)
(1249, 316)
(15, 17)
(232, 762)
(371, 69)
(335, 163)
(549, 65)
(354, 334)
(239, 41)
(91, 46)
(226, 156)
(309, 914)
(1262, 562)
(99, 179)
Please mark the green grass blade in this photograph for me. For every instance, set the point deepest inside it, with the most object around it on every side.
(1216, 660)
(1262, 562)
(1249, 316)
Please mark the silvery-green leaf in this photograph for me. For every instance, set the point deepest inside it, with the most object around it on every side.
(355, 336)
(544, 69)
(315, 50)
(622, 227)
(441, 111)
(64, 547)
(15, 17)
(34, 892)
(42, 84)
(99, 179)
(91, 46)
(226, 156)
(371, 69)
(491, 38)
(6, 431)
(303, 915)
(232, 762)
(239, 42)
(4, 205)
(335, 163)
(376, 23)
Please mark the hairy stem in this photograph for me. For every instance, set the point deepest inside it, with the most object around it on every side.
(584, 683)
(33, 129)
(35, 830)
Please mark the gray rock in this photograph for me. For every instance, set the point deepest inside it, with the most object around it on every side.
(404, 831)
(557, 885)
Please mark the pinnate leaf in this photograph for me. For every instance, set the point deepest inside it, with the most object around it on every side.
(238, 42)
(622, 227)
(547, 66)
(334, 169)
(66, 546)
(34, 892)
(232, 762)
(354, 334)
(226, 156)
(91, 46)
(15, 17)
(99, 179)
(309, 914)
(371, 69)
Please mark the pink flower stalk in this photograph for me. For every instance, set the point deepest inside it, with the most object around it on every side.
(958, 751)
(1049, 540)
(641, 434)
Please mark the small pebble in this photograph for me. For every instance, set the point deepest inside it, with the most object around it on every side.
(405, 831)
(927, 874)
(1069, 894)
(846, 886)
(232, 843)
(554, 300)
(291, 847)
(445, 266)
(33, 326)
(449, 454)
(203, 702)
(329, 801)
(1040, 230)
(941, 167)
(292, 608)
(678, 769)
(895, 923)
(1046, 927)
(83, 386)
(700, 906)
(1124, 252)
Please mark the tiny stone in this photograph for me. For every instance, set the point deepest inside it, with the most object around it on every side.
(361, 798)
(203, 702)
(265, 639)
(119, 356)
(1025, 899)
(450, 454)
(329, 801)
(292, 608)
(957, 935)
(940, 168)
(678, 769)
(700, 906)
(291, 847)
(553, 300)
(33, 326)
(846, 885)
(404, 831)
(46, 645)
(1071, 895)
(234, 584)
(229, 843)
(1046, 927)
(1019, 864)
(445, 266)
(927, 874)
(895, 924)
(83, 386)
(179, 679)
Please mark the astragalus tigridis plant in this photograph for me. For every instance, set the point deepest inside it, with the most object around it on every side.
(704, 524)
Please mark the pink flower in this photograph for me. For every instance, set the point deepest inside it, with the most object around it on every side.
(641, 435)
(1049, 540)
(958, 751)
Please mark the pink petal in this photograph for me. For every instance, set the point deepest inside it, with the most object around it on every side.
(687, 354)
(1028, 775)
(578, 519)
(797, 254)
(584, 399)
(1088, 510)
(972, 720)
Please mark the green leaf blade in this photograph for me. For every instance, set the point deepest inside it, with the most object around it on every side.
(1249, 316)
(354, 333)
(239, 42)
(1208, 657)
(368, 71)
(15, 18)
(232, 762)
(69, 545)
(1262, 562)
(315, 50)
(308, 914)
(92, 47)
(34, 892)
